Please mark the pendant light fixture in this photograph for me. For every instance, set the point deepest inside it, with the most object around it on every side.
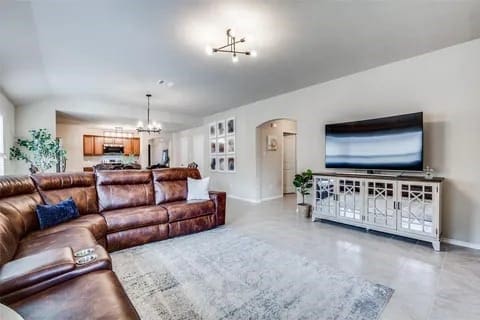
(231, 47)
(151, 128)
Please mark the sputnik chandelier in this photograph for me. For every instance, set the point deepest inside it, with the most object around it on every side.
(231, 47)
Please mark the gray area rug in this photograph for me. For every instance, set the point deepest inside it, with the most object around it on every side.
(222, 274)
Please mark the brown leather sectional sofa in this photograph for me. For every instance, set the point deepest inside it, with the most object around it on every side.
(39, 277)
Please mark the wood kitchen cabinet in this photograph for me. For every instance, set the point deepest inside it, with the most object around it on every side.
(98, 145)
(88, 145)
(93, 145)
(136, 146)
(127, 146)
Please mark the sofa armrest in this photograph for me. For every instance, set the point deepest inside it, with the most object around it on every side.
(220, 200)
(32, 269)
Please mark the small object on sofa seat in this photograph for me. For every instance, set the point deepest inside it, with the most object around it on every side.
(51, 215)
(86, 259)
(84, 252)
(198, 189)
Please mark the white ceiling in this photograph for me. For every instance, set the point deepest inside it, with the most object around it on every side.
(113, 51)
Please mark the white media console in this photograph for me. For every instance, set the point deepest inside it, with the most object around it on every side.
(408, 206)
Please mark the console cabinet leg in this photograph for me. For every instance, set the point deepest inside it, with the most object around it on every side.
(436, 245)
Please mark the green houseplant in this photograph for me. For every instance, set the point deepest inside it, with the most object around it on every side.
(41, 151)
(303, 183)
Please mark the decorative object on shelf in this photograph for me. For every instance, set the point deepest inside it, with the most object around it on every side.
(428, 173)
(272, 143)
(222, 146)
(192, 165)
(231, 47)
(42, 152)
(303, 183)
(151, 128)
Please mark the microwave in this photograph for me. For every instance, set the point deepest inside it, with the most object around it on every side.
(113, 149)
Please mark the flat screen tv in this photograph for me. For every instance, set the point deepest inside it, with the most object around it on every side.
(391, 143)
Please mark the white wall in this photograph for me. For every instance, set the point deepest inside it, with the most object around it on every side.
(188, 146)
(39, 116)
(444, 84)
(7, 111)
(159, 144)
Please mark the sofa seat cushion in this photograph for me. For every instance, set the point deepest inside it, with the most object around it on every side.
(75, 238)
(131, 218)
(181, 210)
(93, 222)
(97, 295)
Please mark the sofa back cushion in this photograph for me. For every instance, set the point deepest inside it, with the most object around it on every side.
(8, 240)
(80, 186)
(18, 201)
(171, 184)
(118, 189)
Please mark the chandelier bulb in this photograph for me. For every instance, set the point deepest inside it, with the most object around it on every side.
(253, 53)
(209, 50)
(234, 58)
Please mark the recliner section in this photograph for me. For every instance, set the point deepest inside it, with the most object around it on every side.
(118, 209)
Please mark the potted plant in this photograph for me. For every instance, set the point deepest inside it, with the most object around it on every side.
(42, 152)
(303, 183)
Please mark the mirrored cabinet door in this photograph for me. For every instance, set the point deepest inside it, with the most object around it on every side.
(417, 207)
(350, 198)
(380, 203)
(325, 199)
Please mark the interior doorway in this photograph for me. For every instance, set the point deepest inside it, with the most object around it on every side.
(289, 161)
(276, 158)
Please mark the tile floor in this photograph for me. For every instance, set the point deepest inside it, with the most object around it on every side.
(428, 284)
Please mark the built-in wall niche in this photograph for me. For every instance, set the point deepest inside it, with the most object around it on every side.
(222, 146)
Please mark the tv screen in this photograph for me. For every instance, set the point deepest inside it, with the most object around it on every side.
(391, 143)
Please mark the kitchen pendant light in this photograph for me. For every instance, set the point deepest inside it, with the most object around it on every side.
(151, 128)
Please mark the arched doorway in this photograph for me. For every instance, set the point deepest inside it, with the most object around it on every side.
(276, 158)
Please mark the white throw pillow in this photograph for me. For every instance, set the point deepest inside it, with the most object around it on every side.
(198, 189)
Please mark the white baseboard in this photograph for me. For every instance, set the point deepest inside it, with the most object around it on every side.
(272, 198)
(254, 200)
(462, 243)
(243, 199)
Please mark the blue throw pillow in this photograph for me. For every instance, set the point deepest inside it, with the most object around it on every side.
(51, 215)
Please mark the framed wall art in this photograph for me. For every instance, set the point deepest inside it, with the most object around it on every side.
(212, 127)
(222, 145)
(230, 126)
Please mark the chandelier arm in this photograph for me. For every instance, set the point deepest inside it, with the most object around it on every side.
(227, 45)
(237, 52)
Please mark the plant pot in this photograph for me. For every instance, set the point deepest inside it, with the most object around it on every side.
(304, 209)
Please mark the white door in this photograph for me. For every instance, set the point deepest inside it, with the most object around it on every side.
(289, 162)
